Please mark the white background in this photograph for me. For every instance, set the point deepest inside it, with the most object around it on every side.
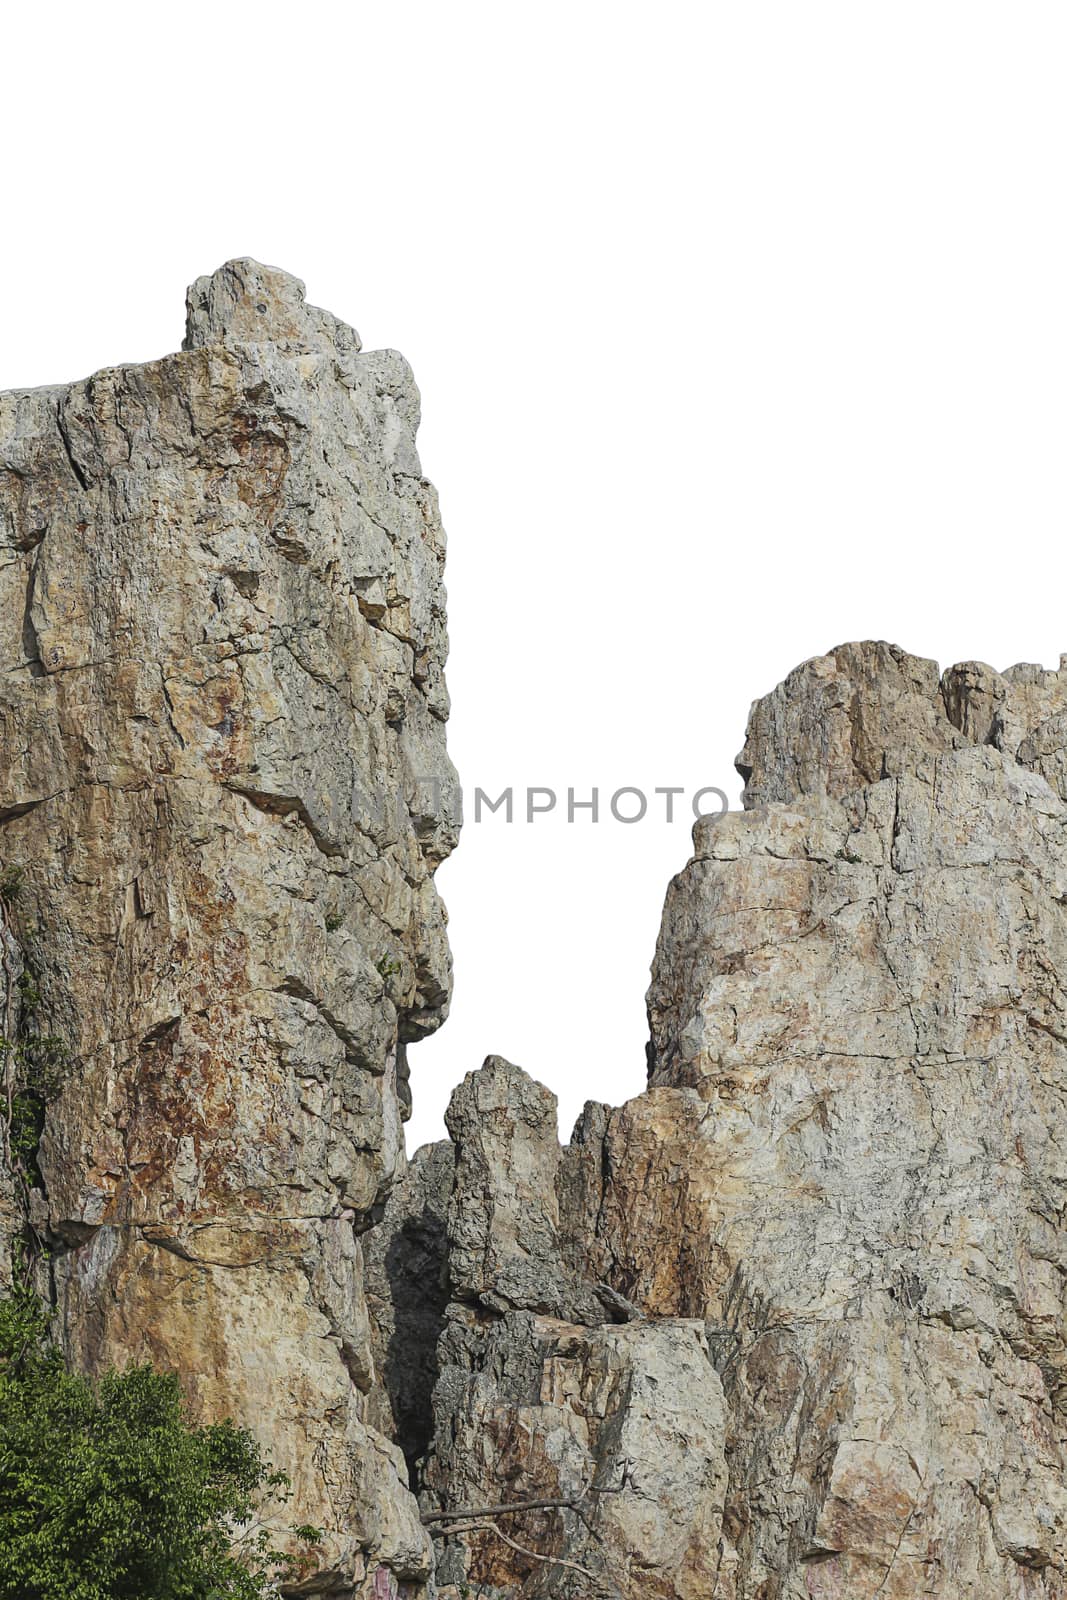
(740, 330)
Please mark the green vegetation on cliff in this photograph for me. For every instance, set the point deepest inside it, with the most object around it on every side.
(110, 1492)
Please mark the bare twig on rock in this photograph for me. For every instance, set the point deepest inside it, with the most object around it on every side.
(523, 1550)
(472, 1519)
(511, 1509)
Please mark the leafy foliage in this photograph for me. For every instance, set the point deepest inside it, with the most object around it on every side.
(111, 1493)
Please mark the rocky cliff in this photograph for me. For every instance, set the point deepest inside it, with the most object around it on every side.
(221, 712)
(792, 1322)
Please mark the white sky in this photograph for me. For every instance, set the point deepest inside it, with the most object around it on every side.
(741, 331)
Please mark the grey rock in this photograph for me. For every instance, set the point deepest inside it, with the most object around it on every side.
(850, 1160)
(858, 714)
(1022, 711)
(847, 1171)
(221, 695)
(787, 1326)
(554, 1386)
(625, 1423)
(869, 711)
(504, 1237)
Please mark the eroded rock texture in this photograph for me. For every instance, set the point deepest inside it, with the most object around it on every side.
(858, 1114)
(790, 1325)
(838, 1208)
(221, 712)
(551, 1386)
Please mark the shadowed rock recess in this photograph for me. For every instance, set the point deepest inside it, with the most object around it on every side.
(790, 1325)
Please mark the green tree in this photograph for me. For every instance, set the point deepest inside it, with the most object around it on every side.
(112, 1493)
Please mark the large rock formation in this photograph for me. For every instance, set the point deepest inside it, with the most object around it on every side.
(790, 1325)
(224, 791)
(838, 1210)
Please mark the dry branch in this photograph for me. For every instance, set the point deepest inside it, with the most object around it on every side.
(523, 1550)
(511, 1509)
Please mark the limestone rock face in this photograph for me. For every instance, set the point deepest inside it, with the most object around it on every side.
(505, 1248)
(624, 1422)
(549, 1385)
(223, 781)
(861, 1083)
(842, 1194)
(851, 1158)
(791, 1324)
(1022, 711)
(870, 711)
(863, 712)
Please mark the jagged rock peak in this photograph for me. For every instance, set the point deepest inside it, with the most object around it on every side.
(245, 302)
(547, 1382)
(869, 710)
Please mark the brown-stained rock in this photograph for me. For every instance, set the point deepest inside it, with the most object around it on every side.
(870, 710)
(12, 1200)
(790, 1325)
(223, 778)
(624, 1422)
(851, 1153)
(1022, 711)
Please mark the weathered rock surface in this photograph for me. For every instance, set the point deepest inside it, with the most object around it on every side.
(221, 709)
(857, 1014)
(1022, 711)
(870, 711)
(12, 1208)
(846, 1181)
(854, 1138)
(551, 1387)
(504, 1241)
(623, 1422)
(790, 1325)
(839, 721)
